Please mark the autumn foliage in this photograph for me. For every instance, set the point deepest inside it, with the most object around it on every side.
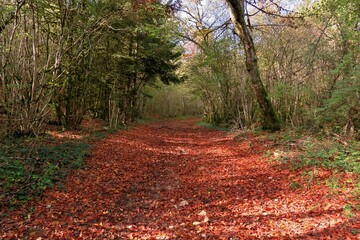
(175, 180)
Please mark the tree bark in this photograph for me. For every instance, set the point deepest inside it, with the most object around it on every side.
(237, 11)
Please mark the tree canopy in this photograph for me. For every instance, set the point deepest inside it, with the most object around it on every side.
(274, 62)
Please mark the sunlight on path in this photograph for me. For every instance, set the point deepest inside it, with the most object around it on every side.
(173, 180)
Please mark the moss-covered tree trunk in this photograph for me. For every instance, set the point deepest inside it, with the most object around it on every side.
(237, 12)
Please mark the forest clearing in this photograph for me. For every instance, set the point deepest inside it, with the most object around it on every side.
(179, 119)
(176, 180)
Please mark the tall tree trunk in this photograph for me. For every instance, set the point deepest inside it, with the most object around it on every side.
(237, 12)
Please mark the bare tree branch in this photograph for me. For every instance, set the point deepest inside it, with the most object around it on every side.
(12, 15)
(272, 13)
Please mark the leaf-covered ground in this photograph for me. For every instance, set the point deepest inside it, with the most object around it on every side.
(174, 180)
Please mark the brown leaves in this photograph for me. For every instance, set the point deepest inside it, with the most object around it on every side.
(181, 182)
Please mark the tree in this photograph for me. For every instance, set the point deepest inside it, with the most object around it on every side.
(136, 49)
(212, 58)
(341, 109)
(238, 16)
(25, 59)
(63, 60)
(215, 72)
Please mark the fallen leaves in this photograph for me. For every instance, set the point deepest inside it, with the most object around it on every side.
(182, 204)
(182, 182)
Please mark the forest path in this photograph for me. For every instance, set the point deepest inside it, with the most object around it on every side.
(175, 180)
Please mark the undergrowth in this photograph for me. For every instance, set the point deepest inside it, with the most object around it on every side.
(332, 155)
(321, 152)
(309, 153)
(28, 166)
(317, 151)
(27, 169)
(211, 126)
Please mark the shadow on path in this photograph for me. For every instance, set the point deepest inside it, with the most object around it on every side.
(174, 180)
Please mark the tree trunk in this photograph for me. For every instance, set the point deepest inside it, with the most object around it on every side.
(237, 12)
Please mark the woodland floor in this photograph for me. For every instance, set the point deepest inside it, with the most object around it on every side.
(176, 180)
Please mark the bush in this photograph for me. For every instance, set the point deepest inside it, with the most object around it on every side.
(332, 155)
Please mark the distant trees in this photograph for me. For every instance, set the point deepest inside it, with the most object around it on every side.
(62, 60)
(172, 101)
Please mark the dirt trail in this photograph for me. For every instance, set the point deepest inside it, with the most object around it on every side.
(174, 180)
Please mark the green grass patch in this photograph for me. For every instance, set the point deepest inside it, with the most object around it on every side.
(97, 136)
(214, 127)
(28, 167)
(332, 155)
(294, 185)
(307, 153)
(317, 151)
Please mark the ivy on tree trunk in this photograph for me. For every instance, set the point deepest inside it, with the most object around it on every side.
(237, 12)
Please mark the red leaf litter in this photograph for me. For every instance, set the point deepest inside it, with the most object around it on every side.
(175, 180)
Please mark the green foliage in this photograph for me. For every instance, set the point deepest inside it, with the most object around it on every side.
(348, 210)
(82, 57)
(309, 176)
(26, 169)
(218, 74)
(138, 49)
(212, 126)
(172, 101)
(332, 155)
(340, 112)
(333, 182)
(294, 185)
(69, 154)
(318, 151)
(96, 136)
